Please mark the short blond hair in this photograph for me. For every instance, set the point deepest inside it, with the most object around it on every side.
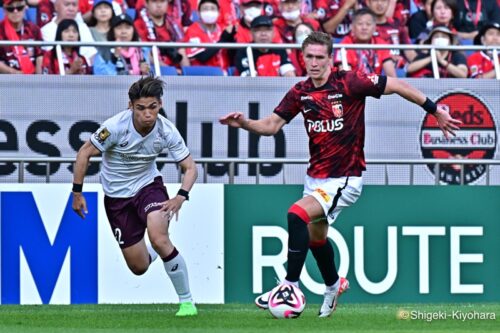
(319, 38)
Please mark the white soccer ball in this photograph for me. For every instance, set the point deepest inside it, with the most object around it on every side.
(286, 301)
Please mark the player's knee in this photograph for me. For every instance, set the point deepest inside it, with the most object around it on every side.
(298, 215)
(158, 241)
(138, 269)
(161, 243)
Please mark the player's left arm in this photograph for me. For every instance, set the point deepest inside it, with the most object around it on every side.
(446, 123)
(87, 150)
(190, 173)
(173, 205)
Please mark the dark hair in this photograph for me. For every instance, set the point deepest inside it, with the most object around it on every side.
(363, 11)
(111, 33)
(215, 2)
(63, 25)
(148, 86)
(319, 38)
(93, 20)
(450, 3)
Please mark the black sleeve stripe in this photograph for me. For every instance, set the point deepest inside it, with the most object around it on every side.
(382, 82)
(98, 148)
(282, 117)
(180, 161)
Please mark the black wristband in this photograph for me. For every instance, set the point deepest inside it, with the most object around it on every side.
(183, 193)
(429, 106)
(77, 188)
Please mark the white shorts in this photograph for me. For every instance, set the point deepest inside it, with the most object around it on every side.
(333, 194)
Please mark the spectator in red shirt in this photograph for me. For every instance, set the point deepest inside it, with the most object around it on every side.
(68, 9)
(302, 30)
(251, 9)
(73, 62)
(154, 25)
(290, 18)
(228, 13)
(391, 31)
(267, 62)
(481, 65)
(179, 11)
(207, 31)
(401, 9)
(366, 60)
(19, 59)
(337, 16)
(45, 12)
(451, 63)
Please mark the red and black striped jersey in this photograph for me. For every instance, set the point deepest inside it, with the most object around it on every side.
(334, 120)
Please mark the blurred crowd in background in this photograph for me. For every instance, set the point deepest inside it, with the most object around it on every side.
(395, 22)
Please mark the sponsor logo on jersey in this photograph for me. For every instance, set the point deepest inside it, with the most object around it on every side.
(323, 194)
(135, 158)
(304, 98)
(335, 96)
(476, 139)
(102, 135)
(321, 126)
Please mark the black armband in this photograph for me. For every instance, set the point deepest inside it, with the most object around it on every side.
(77, 188)
(183, 193)
(429, 106)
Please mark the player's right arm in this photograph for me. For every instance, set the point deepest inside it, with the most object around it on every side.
(82, 162)
(446, 122)
(267, 126)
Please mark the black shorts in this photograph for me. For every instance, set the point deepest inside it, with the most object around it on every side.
(128, 216)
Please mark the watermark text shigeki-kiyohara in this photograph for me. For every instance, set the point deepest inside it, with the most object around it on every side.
(445, 315)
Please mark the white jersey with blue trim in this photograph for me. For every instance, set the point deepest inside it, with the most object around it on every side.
(128, 160)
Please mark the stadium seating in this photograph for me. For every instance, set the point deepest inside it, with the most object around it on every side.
(31, 14)
(232, 71)
(467, 42)
(168, 70)
(202, 71)
(401, 72)
(195, 16)
(131, 12)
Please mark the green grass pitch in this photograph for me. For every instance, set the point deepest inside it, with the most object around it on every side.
(242, 318)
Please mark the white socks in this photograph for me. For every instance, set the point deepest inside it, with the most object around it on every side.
(296, 283)
(175, 266)
(152, 253)
(334, 287)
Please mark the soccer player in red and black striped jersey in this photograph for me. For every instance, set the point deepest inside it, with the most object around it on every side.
(332, 103)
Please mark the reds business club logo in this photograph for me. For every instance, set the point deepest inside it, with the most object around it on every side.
(476, 139)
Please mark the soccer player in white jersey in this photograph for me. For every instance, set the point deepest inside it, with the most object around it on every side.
(135, 197)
